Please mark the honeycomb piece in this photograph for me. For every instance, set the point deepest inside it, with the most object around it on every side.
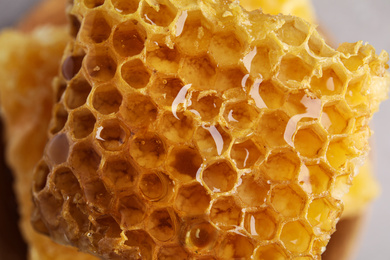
(206, 173)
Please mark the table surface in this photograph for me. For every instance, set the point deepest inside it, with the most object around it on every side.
(346, 20)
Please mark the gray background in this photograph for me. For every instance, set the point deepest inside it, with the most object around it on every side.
(346, 20)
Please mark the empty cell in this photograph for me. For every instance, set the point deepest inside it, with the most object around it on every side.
(310, 140)
(289, 201)
(293, 32)
(161, 224)
(240, 115)
(192, 199)
(119, 173)
(335, 118)
(281, 165)
(59, 87)
(272, 127)
(295, 104)
(270, 251)
(93, 3)
(337, 154)
(132, 211)
(108, 228)
(246, 154)
(201, 237)
(85, 162)
(83, 123)
(125, 6)
(165, 90)
(164, 59)
(354, 61)
(259, 61)
(96, 26)
(272, 95)
(138, 110)
(223, 43)
(293, 68)
(75, 25)
(235, 246)
(315, 178)
(172, 253)
(225, 213)
(155, 186)
(77, 93)
(295, 237)
(220, 176)
(129, 38)
(341, 186)
(60, 117)
(184, 163)
(66, 182)
(96, 193)
(100, 66)
(330, 83)
(198, 71)
(231, 78)
(50, 208)
(179, 128)
(111, 135)
(356, 94)
(71, 66)
(322, 214)
(143, 242)
(252, 193)
(77, 219)
(261, 224)
(135, 74)
(58, 149)
(107, 99)
(41, 172)
(160, 14)
(212, 140)
(148, 151)
(206, 106)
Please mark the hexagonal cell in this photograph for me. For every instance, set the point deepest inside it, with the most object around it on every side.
(201, 237)
(295, 237)
(148, 151)
(353, 62)
(135, 74)
(85, 162)
(293, 32)
(253, 193)
(356, 93)
(331, 82)
(96, 193)
(165, 90)
(194, 35)
(93, 3)
(270, 251)
(125, 6)
(77, 93)
(179, 128)
(156, 186)
(281, 165)
(144, 244)
(161, 14)
(163, 59)
(212, 140)
(106, 230)
(309, 141)
(336, 117)
(207, 106)
(337, 154)
(227, 79)
(192, 199)
(261, 224)
(240, 115)
(71, 66)
(295, 104)
(273, 127)
(96, 26)
(75, 25)
(341, 186)
(220, 176)
(315, 178)
(132, 211)
(83, 123)
(184, 163)
(226, 42)
(58, 149)
(41, 172)
(129, 38)
(138, 110)
(235, 246)
(59, 87)
(322, 214)
(107, 99)
(246, 154)
(100, 65)
(289, 201)
(293, 68)
(78, 222)
(49, 208)
(198, 71)
(162, 224)
(319, 47)
(172, 253)
(60, 116)
(271, 94)
(111, 135)
(258, 61)
(119, 173)
(225, 213)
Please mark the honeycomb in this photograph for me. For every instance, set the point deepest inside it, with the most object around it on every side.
(163, 147)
